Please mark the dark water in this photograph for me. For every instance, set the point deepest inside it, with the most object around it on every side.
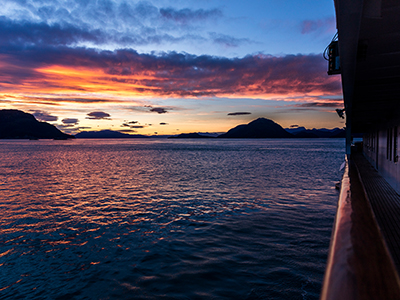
(166, 219)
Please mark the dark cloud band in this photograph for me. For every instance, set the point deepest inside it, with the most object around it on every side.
(239, 113)
(320, 104)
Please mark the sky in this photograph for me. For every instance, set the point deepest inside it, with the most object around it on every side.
(168, 67)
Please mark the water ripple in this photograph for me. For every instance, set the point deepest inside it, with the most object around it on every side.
(133, 219)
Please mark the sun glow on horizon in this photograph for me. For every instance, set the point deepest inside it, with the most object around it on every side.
(168, 74)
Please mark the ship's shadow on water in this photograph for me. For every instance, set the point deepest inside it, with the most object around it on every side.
(166, 219)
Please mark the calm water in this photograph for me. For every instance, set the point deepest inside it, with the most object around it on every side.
(166, 219)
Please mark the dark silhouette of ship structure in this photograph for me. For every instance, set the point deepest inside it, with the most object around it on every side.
(364, 255)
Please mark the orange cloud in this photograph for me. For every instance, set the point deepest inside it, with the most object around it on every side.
(125, 73)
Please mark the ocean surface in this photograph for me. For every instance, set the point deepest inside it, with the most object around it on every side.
(166, 219)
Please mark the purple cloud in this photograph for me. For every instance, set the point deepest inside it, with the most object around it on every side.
(185, 15)
(159, 110)
(98, 115)
(227, 41)
(44, 116)
(30, 33)
(70, 122)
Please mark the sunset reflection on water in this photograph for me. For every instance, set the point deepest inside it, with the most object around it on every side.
(121, 219)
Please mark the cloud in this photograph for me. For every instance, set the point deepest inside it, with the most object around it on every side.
(75, 100)
(54, 100)
(131, 124)
(169, 74)
(159, 110)
(320, 25)
(98, 115)
(32, 33)
(162, 123)
(228, 41)
(239, 113)
(42, 34)
(315, 106)
(44, 116)
(100, 23)
(294, 126)
(188, 15)
(319, 104)
(70, 122)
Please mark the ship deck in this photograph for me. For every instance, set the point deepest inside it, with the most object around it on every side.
(364, 254)
(385, 204)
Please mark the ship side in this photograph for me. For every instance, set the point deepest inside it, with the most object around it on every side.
(364, 255)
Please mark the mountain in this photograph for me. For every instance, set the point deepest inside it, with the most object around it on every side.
(107, 134)
(193, 135)
(16, 124)
(210, 134)
(301, 132)
(341, 133)
(295, 130)
(260, 128)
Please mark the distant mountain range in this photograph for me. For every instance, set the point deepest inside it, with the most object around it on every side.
(107, 134)
(193, 135)
(301, 132)
(265, 128)
(16, 124)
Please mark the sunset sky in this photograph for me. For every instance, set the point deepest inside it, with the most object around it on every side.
(168, 67)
